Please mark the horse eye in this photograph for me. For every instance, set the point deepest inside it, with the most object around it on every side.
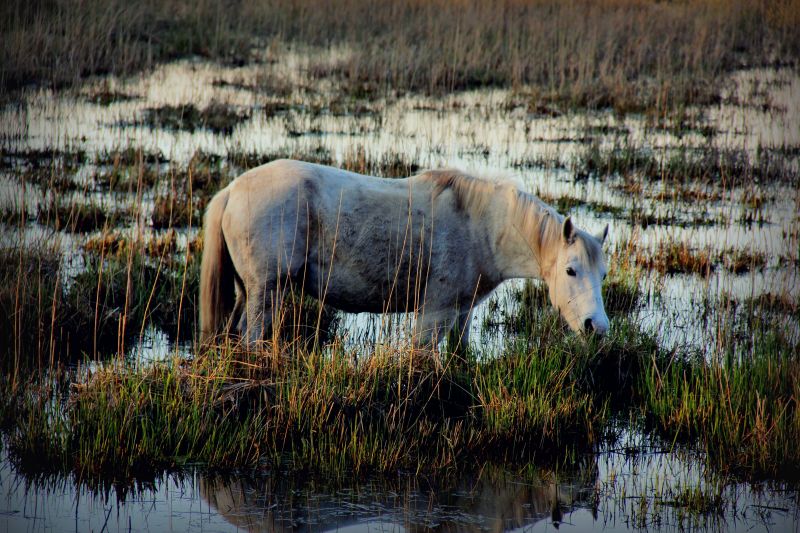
(570, 271)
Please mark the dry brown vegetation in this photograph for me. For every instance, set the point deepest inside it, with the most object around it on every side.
(621, 53)
(673, 257)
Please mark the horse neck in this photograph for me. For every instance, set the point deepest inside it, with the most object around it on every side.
(527, 242)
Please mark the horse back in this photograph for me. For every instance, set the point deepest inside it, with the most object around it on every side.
(360, 243)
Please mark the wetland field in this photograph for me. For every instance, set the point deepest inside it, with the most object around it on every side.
(675, 123)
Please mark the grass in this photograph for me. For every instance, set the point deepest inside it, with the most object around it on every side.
(389, 164)
(75, 216)
(48, 159)
(115, 243)
(781, 304)
(722, 167)
(106, 95)
(320, 407)
(672, 257)
(599, 54)
(216, 116)
(129, 156)
(743, 261)
(565, 203)
(393, 410)
(247, 160)
(123, 287)
(30, 279)
(173, 211)
(741, 406)
(675, 257)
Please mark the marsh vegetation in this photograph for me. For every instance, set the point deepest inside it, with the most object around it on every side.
(689, 151)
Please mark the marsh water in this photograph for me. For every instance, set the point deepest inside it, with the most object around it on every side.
(636, 483)
(615, 490)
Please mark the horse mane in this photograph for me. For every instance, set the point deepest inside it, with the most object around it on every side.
(471, 194)
(539, 222)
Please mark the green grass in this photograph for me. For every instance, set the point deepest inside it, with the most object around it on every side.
(304, 406)
(309, 411)
(742, 407)
(544, 397)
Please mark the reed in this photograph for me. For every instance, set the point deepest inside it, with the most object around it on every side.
(324, 411)
(741, 406)
(626, 54)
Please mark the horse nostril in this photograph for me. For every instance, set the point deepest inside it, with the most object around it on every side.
(588, 326)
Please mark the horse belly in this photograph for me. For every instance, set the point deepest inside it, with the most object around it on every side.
(354, 289)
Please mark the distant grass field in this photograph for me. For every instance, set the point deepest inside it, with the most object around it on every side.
(626, 54)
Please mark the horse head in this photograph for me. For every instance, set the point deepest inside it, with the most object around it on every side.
(576, 278)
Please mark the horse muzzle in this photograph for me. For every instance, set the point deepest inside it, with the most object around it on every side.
(595, 326)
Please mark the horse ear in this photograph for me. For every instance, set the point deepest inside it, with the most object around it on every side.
(568, 231)
(602, 235)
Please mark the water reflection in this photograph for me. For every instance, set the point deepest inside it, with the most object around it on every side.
(631, 486)
(488, 503)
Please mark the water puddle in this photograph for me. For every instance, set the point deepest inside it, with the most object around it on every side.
(488, 131)
(276, 109)
(624, 488)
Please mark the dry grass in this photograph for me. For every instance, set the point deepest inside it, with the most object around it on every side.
(742, 261)
(620, 53)
(176, 211)
(115, 243)
(673, 257)
(389, 165)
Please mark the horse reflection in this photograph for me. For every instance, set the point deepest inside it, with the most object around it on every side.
(489, 505)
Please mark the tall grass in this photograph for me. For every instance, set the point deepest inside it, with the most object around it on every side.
(50, 315)
(324, 411)
(322, 407)
(742, 405)
(612, 52)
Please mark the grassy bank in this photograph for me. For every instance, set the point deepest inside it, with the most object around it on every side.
(544, 397)
(325, 411)
(625, 54)
(742, 406)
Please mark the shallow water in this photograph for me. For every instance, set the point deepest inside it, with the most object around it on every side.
(616, 490)
(483, 131)
(491, 132)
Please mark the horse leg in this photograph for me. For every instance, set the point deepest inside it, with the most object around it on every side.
(459, 334)
(429, 329)
(259, 309)
(236, 320)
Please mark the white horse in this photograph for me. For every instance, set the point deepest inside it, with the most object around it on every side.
(435, 244)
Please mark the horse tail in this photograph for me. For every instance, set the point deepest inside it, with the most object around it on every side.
(216, 272)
